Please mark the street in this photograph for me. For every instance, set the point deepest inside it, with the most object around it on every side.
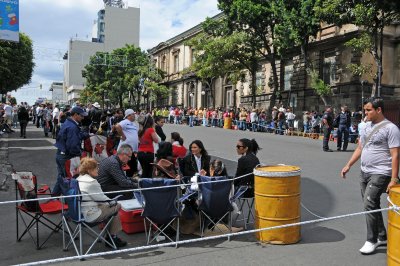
(323, 192)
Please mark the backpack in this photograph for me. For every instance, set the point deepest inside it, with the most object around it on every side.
(70, 187)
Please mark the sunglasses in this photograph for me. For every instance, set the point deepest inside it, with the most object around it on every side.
(239, 146)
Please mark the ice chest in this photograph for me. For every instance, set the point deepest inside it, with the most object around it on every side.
(130, 216)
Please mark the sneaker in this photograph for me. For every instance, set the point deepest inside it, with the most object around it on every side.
(119, 243)
(160, 238)
(369, 247)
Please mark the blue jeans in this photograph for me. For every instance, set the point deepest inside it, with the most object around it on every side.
(254, 126)
(342, 130)
(60, 161)
(191, 121)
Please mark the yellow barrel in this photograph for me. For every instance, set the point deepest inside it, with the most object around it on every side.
(228, 123)
(277, 202)
(393, 247)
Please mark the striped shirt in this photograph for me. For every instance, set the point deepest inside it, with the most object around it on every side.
(111, 173)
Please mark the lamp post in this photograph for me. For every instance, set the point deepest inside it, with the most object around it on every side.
(362, 97)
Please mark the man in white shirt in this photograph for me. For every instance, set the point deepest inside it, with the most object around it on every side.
(128, 130)
(56, 117)
(8, 113)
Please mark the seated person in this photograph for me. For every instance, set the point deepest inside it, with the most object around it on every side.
(197, 161)
(111, 175)
(97, 207)
(164, 165)
(246, 164)
(217, 168)
(178, 150)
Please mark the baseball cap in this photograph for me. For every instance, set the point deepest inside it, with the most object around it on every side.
(78, 110)
(129, 112)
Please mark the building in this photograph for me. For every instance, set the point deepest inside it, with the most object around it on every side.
(327, 52)
(115, 27)
(58, 94)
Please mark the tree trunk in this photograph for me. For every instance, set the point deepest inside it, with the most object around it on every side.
(120, 101)
(253, 87)
(324, 100)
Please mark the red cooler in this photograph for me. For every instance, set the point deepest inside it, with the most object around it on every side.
(130, 215)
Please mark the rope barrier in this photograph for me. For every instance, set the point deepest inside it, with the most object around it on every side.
(205, 238)
(120, 191)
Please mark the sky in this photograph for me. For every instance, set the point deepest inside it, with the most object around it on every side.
(52, 23)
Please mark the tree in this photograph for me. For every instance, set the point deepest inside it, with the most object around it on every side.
(258, 19)
(16, 63)
(221, 52)
(320, 87)
(371, 16)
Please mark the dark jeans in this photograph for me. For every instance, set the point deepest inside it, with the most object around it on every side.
(372, 187)
(145, 159)
(325, 142)
(61, 172)
(342, 130)
(23, 125)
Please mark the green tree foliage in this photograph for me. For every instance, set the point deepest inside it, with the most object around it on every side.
(371, 16)
(123, 73)
(223, 53)
(16, 63)
(320, 87)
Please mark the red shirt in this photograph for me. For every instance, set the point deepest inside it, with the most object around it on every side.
(146, 141)
(178, 151)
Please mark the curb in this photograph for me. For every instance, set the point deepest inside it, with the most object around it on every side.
(5, 166)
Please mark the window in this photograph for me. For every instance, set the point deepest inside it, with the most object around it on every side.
(329, 68)
(288, 74)
(176, 63)
(229, 97)
(259, 76)
(164, 63)
(174, 96)
(193, 59)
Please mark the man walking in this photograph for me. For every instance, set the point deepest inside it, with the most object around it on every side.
(343, 122)
(378, 149)
(327, 124)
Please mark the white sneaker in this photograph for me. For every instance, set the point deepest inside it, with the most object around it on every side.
(369, 247)
(160, 238)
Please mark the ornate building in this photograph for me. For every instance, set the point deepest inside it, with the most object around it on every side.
(327, 52)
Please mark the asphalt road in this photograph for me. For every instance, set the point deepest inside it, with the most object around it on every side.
(323, 192)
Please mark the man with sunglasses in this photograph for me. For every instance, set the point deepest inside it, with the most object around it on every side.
(69, 143)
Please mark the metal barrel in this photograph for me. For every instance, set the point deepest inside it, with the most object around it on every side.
(277, 202)
(393, 247)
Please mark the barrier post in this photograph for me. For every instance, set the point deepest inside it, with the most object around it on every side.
(277, 202)
(393, 247)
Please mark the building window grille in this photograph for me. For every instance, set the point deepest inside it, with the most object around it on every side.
(329, 68)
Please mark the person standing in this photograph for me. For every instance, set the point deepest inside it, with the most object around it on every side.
(56, 115)
(147, 137)
(8, 110)
(327, 125)
(23, 118)
(159, 124)
(343, 121)
(128, 130)
(69, 143)
(378, 149)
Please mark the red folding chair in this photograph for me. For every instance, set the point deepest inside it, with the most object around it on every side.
(35, 213)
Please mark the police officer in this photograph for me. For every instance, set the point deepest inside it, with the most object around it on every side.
(327, 125)
(343, 121)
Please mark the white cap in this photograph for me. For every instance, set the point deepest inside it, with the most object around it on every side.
(129, 112)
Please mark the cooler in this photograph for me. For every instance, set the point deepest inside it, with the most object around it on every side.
(130, 215)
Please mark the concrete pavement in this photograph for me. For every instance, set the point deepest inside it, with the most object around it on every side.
(323, 192)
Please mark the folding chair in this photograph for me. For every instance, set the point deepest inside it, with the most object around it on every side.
(215, 202)
(161, 207)
(74, 217)
(36, 211)
(245, 202)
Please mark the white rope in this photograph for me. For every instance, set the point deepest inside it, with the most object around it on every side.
(289, 173)
(312, 213)
(201, 239)
(120, 191)
(396, 208)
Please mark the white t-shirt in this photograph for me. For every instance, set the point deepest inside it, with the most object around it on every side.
(56, 113)
(8, 110)
(375, 157)
(130, 130)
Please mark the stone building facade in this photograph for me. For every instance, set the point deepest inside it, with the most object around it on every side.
(327, 52)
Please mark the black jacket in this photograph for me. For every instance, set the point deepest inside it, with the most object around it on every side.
(246, 165)
(190, 166)
(160, 133)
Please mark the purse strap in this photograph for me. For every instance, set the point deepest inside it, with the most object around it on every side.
(376, 128)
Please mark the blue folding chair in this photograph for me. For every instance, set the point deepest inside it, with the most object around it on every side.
(161, 207)
(245, 206)
(215, 202)
(74, 216)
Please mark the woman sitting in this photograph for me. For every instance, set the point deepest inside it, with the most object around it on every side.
(165, 165)
(197, 161)
(97, 207)
(217, 168)
(246, 164)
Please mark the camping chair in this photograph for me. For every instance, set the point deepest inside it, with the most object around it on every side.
(215, 202)
(161, 207)
(37, 211)
(245, 202)
(74, 217)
